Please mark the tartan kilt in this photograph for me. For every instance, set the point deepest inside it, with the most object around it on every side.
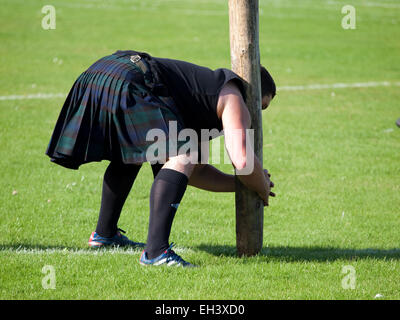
(108, 113)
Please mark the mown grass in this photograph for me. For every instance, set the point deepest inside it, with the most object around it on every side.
(333, 155)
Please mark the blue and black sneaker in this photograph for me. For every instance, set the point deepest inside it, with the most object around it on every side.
(169, 258)
(119, 240)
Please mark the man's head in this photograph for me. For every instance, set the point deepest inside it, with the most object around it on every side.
(268, 88)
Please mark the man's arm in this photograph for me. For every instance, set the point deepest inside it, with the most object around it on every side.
(236, 120)
(209, 178)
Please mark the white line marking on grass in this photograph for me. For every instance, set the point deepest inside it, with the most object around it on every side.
(387, 5)
(150, 6)
(282, 88)
(34, 96)
(72, 251)
(339, 86)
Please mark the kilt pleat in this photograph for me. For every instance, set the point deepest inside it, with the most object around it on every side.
(108, 113)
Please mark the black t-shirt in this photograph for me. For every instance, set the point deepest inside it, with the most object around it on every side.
(195, 91)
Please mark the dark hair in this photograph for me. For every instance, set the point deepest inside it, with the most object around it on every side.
(267, 83)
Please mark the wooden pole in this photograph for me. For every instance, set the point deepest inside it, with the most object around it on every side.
(245, 60)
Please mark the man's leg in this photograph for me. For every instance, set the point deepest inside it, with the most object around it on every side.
(166, 193)
(117, 183)
(156, 168)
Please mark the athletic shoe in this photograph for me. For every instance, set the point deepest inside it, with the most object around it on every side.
(169, 257)
(97, 241)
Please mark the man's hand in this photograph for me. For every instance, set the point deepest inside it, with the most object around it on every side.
(270, 185)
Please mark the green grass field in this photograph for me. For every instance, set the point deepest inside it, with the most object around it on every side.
(334, 155)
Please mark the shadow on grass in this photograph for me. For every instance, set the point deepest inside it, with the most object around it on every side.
(293, 254)
(285, 254)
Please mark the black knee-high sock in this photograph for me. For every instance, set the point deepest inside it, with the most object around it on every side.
(156, 168)
(117, 183)
(166, 193)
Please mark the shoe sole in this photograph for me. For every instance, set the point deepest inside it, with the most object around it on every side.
(167, 265)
